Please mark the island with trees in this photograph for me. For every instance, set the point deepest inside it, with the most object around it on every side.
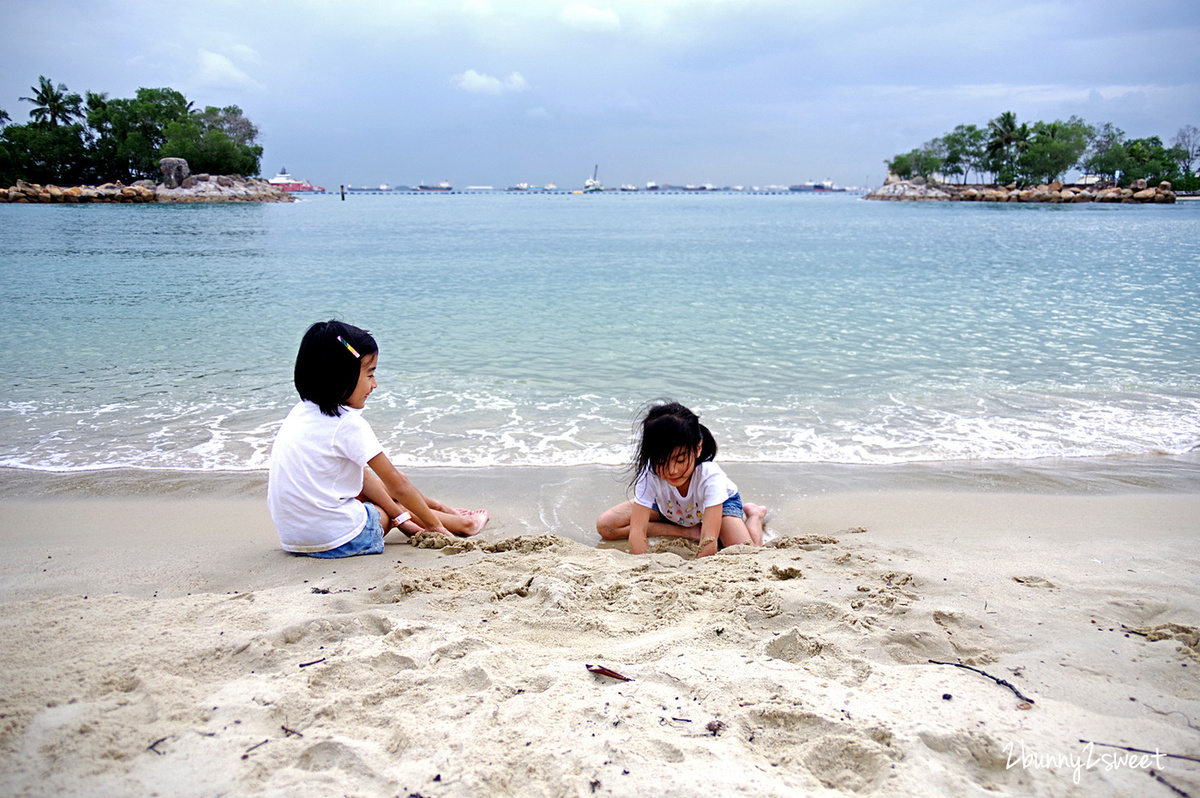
(113, 149)
(1023, 162)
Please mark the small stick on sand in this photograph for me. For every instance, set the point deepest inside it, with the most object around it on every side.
(251, 748)
(314, 662)
(1000, 682)
(152, 746)
(1169, 785)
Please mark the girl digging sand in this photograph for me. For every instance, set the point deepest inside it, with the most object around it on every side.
(332, 492)
(679, 491)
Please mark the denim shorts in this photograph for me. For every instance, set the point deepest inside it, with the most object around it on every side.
(732, 506)
(369, 541)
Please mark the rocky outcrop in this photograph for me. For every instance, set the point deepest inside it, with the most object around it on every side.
(179, 185)
(108, 192)
(909, 190)
(1055, 192)
(223, 188)
(174, 171)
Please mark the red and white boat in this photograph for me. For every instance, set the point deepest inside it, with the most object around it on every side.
(288, 183)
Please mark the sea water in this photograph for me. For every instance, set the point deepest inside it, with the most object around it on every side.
(521, 329)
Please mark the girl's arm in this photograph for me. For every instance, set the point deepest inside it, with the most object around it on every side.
(398, 485)
(710, 530)
(638, 519)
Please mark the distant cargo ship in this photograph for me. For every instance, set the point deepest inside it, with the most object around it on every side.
(819, 188)
(442, 186)
(288, 183)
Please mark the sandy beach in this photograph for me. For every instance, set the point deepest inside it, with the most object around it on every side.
(157, 641)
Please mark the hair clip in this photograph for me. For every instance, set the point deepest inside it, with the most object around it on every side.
(346, 344)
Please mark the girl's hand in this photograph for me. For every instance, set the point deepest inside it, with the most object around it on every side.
(708, 547)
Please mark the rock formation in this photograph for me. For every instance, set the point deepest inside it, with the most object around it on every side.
(178, 185)
(917, 190)
(174, 171)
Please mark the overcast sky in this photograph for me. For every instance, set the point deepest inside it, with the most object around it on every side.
(732, 92)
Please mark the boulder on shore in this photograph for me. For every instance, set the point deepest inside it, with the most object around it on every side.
(174, 171)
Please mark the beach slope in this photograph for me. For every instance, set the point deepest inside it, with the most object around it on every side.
(194, 658)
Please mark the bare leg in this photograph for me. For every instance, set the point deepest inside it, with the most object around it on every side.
(756, 516)
(733, 531)
(460, 522)
(454, 521)
(375, 492)
(613, 524)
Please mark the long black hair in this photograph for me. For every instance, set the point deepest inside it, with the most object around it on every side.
(665, 427)
(327, 369)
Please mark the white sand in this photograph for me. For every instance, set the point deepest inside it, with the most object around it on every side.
(194, 658)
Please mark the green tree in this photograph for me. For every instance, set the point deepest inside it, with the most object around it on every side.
(1149, 160)
(4, 117)
(44, 153)
(925, 161)
(131, 132)
(1052, 149)
(52, 104)
(1107, 156)
(1001, 132)
(123, 139)
(231, 121)
(965, 151)
(931, 156)
(1006, 142)
(1187, 140)
(901, 166)
(216, 141)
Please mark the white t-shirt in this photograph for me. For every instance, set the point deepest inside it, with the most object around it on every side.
(709, 486)
(316, 475)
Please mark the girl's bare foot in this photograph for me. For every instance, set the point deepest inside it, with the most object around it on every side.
(476, 521)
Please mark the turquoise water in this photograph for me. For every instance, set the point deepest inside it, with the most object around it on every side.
(527, 330)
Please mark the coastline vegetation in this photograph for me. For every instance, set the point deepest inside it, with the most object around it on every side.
(1030, 154)
(73, 140)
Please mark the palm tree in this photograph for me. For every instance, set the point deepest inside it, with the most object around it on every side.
(1005, 139)
(1000, 133)
(53, 104)
(4, 117)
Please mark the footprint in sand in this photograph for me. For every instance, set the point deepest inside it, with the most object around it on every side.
(1035, 581)
(818, 657)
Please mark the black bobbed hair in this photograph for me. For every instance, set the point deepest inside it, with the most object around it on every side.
(327, 371)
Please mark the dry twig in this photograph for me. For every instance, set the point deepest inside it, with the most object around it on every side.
(1000, 682)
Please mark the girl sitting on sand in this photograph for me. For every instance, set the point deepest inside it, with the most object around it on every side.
(332, 492)
(678, 490)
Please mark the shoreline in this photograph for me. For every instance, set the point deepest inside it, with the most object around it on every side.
(1178, 473)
